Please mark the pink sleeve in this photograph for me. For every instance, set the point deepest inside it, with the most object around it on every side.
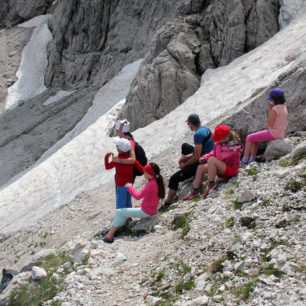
(138, 195)
(211, 153)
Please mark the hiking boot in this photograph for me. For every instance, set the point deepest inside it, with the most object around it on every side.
(164, 207)
(209, 188)
(107, 239)
(191, 195)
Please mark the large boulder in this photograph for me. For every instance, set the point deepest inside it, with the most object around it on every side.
(299, 151)
(13, 12)
(277, 148)
(206, 36)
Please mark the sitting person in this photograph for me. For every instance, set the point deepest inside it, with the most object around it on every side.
(277, 122)
(153, 191)
(223, 160)
(189, 160)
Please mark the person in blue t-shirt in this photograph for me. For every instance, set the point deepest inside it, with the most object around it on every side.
(189, 160)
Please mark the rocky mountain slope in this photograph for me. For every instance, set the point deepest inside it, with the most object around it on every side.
(244, 244)
(92, 41)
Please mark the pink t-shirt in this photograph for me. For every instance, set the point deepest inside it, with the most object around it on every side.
(150, 197)
(280, 123)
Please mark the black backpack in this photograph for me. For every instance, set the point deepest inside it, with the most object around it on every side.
(141, 157)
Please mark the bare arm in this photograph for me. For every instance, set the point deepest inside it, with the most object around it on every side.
(130, 160)
(195, 157)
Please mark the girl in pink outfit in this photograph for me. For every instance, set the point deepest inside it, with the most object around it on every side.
(151, 194)
(223, 160)
(277, 123)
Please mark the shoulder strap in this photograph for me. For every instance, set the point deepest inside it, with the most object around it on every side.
(207, 137)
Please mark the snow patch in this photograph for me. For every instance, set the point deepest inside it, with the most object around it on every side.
(33, 63)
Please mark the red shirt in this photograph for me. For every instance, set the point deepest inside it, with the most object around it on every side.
(124, 172)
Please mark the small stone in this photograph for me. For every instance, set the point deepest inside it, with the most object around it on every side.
(246, 196)
(38, 273)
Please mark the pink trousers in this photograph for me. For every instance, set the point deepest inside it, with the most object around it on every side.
(260, 136)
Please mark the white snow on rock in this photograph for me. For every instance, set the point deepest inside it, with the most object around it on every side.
(79, 165)
(288, 11)
(33, 63)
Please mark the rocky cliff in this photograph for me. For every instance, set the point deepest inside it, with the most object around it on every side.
(209, 34)
(13, 12)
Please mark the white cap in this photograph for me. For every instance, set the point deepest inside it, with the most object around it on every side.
(123, 126)
(123, 144)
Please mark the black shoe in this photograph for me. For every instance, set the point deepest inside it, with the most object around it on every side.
(104, 232)
(164, 207)
(108, 240)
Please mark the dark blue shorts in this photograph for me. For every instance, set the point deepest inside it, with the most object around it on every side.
(123, 197)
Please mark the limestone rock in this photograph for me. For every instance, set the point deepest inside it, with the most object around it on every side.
(299, 151)
(80, 252)
(13, 12)
(246, 196)
(146, 225)
(184, 48)
(288, 10)
(38, 273)
(277, 148)
(120, 32)
(36, 258)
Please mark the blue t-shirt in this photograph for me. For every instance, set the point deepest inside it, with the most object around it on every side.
(198, 137)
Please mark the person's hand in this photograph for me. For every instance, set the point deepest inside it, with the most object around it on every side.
(182, 159)
(137, 205)
(201, 159)
(270, 105)
(127, 185)
(115, 159)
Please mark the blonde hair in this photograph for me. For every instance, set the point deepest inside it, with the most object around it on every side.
(234, 136)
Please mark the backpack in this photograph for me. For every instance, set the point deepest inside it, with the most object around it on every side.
(207, 137)
(141, 157)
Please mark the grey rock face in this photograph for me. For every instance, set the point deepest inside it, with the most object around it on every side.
(212, 36)
(32, 128)
(277, 148)
(93, 40)
(13, 12)
(252, 118)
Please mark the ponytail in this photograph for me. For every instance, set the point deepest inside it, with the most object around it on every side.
(234, 136)
(160, 180)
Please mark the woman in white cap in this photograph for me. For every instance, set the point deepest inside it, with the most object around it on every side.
(123, 131)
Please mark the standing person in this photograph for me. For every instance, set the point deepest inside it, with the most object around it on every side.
(152, 192)
(124, 172)
(277, 122)
(189, 160)
(137, 152)
(223, 160)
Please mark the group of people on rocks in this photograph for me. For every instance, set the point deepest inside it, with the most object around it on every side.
(214, 154)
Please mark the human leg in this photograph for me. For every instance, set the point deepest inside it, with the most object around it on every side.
(174, 181)
(215, 166)
(201, 171)
(187, 149)
(121, 216)
(252, 140)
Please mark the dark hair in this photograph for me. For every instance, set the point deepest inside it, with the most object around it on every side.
(129, 135)
(278, 100)
(159, 179)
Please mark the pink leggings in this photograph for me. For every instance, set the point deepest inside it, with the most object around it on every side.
(260, 136)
